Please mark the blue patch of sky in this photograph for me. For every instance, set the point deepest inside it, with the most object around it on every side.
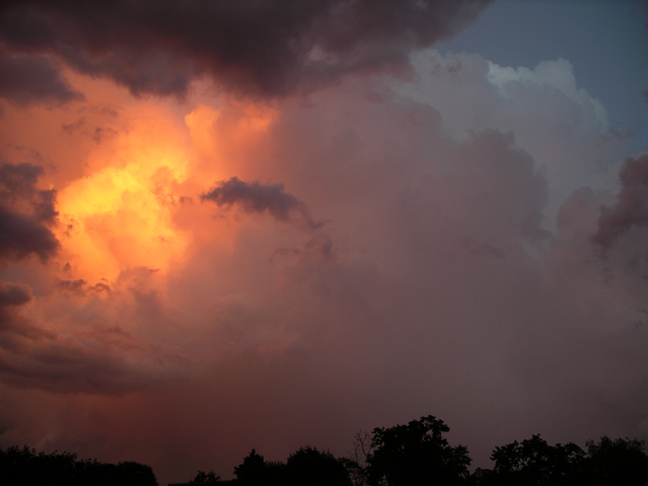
(606, 41)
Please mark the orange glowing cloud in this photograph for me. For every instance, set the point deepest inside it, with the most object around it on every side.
(120, 215)
(129, 208)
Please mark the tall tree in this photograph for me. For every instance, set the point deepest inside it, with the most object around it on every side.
(535, 462)
(256, 471)
(316, 468)
(416, 454)
(619, 461)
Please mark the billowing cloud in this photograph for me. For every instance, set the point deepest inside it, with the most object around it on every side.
(104, 360)
(11, 296)
(631, 208)
(87, 356)
(254, 197)
(28, 79)
(256, 48)
(457, 274)
(18, 189)
(25, 213)
(23, 235)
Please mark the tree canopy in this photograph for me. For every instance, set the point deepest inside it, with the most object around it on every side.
(307, 466)
(416, 454)
(24, 466)
(607, 462)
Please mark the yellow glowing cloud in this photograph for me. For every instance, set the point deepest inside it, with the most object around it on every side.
(126, 211)
(119, 215)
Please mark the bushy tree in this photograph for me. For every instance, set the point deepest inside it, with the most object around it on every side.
(21, 467)
(619, 461)
(416, 454)
(135, 474)
(256, 471)
(205, 479)
(309, 466)
(535, 462)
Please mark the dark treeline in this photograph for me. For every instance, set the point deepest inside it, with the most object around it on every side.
(24, 467)
(418, 454)
(415, 454)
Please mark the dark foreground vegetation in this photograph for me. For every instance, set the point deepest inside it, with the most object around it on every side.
(25, 467)
(415, 454)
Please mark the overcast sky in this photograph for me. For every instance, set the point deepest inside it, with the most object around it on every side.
(237, 225)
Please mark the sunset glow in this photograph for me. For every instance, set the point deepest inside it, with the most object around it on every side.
(120, 215)
(238, 225)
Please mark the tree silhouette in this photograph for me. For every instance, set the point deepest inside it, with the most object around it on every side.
(135, 474)
(357, 464)
(316, 468)
(620, 461)
(205, 479)
(416, 454)
(20, 467)
(535, 462)
(256, 471)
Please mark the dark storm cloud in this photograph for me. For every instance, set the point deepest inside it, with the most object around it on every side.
(94, 358)
(631, 209)
(18, 189)
(11, 296)
(254, 197)
(25, 212)
(27, 79)
(21, 235)
(13, 327)
(75, 286)
(252, 47)
(97, 359)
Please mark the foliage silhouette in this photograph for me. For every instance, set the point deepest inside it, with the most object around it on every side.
(416, 454)
(619, 461)
(316, 468)
(205, 479)
(607, 463)
(24, 467)
(307, 466)
(256, 471)
(535, 462)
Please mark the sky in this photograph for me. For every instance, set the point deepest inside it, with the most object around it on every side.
(237, 225)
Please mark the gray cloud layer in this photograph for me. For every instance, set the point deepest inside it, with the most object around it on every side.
(25, 213)
(443, 284)
(254, 197)
(251, 47)
(29, 79)
(631, 209)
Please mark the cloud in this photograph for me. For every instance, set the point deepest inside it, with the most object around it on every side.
(254, 48)
(535, 104)
(631, 208)
(25, 213)
(76, 286)
(31, 79)
(18, 189)
(254, 197)
(22, 235)
(11, 297)
(101, 360)
(440, 285)
(91, 358)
